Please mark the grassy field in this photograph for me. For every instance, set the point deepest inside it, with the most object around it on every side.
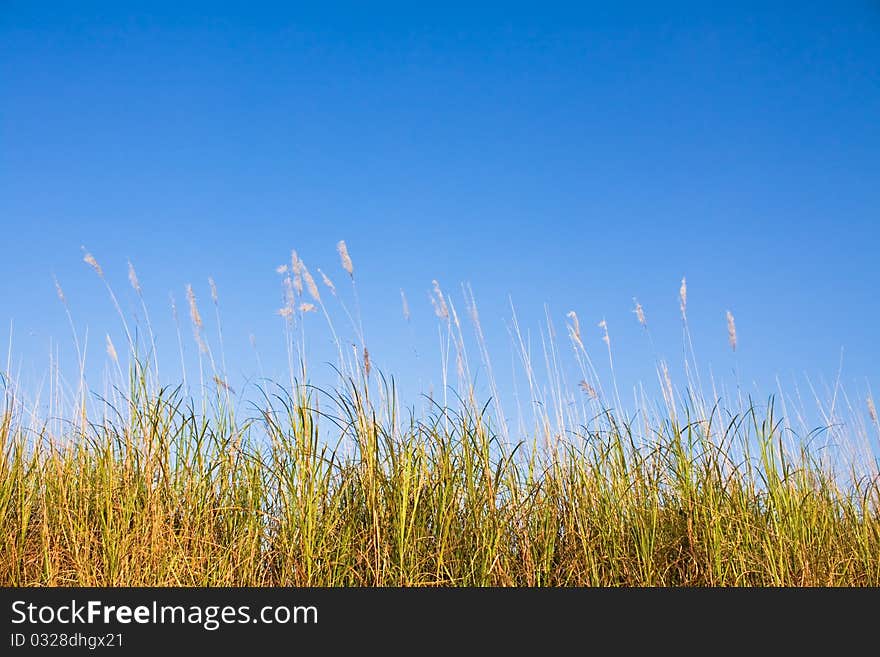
(343, 487)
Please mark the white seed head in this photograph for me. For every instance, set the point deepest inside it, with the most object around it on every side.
(576, 325)
(405, 305)
(89, 259)
(439, 301)
(213, 286)
(297, 267)
(668, 382)
(193, 308)
(328, 283)
(640, 313)
(59, 291)
(133, 278)
(310, 284)
(307, 307)
(344, 258)
(683, 295)
(872, 410)
(281, 269)
(731, 330)
(604, 326)
(367, 365)
(111, 350)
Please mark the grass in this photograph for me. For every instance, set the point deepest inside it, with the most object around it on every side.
(342, 487)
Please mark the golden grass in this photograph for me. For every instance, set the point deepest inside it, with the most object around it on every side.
(342, 487)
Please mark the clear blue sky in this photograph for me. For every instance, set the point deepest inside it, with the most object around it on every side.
(577, 155)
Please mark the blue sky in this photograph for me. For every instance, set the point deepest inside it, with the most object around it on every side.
(574, 155)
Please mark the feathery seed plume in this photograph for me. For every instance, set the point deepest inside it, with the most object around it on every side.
(576, 325)
(213, 285)
(872, 410)
(281, 269)
(328, 282)
(306, 307)
(683, 296)
(193, 308)
(297, 266)
(604, 326)
(58, 290)
(367, 365)
(640, 313)
(344, 258)
(133, 279)
(405, 305)
(89, 259)
(587, 388)
(221, 383)
(310, 284)
(731, 330)
(668, 382)
(111, 350)
(440, 307)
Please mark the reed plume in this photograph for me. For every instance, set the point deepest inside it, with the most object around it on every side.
(344, 258)
(89, 259)
(640, 313)
(111, 350)
(194, 314)
(133, 279)
(405, 305)
(683, 296)
(587, 388)
(328, 282)
(297, 268)
(310, 284)
(439, 302)
(731, 331)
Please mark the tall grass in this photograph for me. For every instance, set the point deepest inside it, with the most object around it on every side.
(343, 487)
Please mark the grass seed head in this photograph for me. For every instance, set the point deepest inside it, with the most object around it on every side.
(310, 284)
(604, 326)
(193, 308)
(297, 268)
(328, 283)
(89, 259)
(588, 389)
(439, 301)
(683, 296)
(59, 291)
(640, 313)
(575, 325)
(111, 350)
(133, 278)
(731, 330)
(405, 305)
(344, 258)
